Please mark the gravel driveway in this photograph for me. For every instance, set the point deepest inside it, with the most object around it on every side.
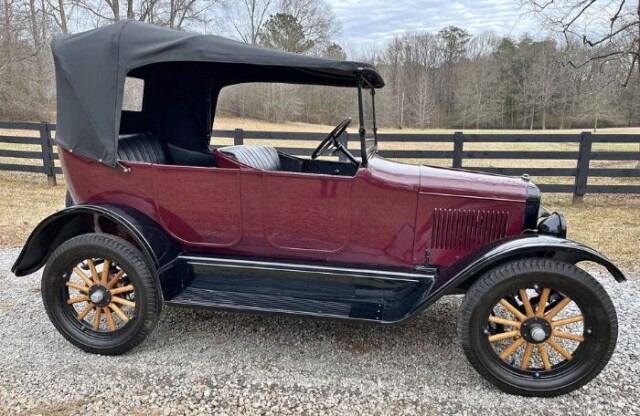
(200, 362)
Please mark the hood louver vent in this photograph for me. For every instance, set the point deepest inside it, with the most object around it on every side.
(467, 229)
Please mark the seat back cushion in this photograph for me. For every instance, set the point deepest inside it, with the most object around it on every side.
(256, 156)
(186, 157)
(145, 147)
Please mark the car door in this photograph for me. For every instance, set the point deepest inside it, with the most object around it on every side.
(200, 206)
(306, 212)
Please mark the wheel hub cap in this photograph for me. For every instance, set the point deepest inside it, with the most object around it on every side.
(97, 296)
(100, 296)
(535, 330)
(538, 334)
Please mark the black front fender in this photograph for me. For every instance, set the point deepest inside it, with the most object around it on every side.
(157, 247)
(470, 267)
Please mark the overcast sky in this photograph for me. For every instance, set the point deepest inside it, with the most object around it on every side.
(372, 21)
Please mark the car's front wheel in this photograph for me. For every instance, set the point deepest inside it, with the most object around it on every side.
(100, 294)
(538, 327)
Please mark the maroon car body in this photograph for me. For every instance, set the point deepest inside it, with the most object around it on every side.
(388, 214)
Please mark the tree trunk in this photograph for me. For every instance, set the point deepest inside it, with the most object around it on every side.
(533, 116)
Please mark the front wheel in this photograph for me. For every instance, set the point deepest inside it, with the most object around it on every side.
(100, 294)
(538, 327)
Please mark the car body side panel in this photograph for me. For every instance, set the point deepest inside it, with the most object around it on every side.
(306, 211)
(199, 206)
(90, 182)
(382, 216)
(460, 211)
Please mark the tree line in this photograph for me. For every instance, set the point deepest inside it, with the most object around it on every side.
(447, 79)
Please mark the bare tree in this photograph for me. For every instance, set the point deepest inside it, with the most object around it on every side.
(453, 41)
(478, 93)
(319, 23)
(60, 10)
(614, 24)
(247, 18)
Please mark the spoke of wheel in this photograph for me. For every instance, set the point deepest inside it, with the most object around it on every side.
(124, 302)
(498, 320)
(526, 357)
(115, 279)
(525, 301)
(119, 312)
(77, 287)
(123, 289)
(78, 300)
(511, 348)
(567, 335)
(105, 272)
(560, 349)
(513, 310)
(96, 319)
(503, 335)
(544, 297)
(545, 357)
(85, 311)
(110, 322)
(94, 272)
(567, 321)
(557, 309)
(83, 276)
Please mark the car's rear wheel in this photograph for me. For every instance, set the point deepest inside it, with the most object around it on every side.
(538, 327)
(100, 294)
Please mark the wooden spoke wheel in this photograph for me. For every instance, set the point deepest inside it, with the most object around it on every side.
(538, 327)
(535, 329)
(100, 294)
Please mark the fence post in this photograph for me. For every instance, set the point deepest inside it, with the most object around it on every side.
(582, 174)
(47, 153)
(238, 137)
(458, 145)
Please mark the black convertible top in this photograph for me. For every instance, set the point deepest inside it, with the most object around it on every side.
(182, 71)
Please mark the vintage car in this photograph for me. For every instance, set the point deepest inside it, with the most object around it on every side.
(161, 219)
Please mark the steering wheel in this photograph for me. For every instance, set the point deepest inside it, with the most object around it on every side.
(332, 142)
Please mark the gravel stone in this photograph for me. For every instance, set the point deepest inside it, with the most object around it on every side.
(202, 362)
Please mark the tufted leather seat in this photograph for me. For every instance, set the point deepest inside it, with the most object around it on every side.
(144, 147)
(259, 157)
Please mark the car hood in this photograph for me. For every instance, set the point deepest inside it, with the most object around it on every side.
(448, 181)
(471, 184)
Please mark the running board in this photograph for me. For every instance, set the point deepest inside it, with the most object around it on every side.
(316, 289)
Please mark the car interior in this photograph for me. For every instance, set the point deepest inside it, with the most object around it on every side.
(168, 129)
(151, 148)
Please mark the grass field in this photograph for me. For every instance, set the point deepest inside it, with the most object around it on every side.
(610, 223)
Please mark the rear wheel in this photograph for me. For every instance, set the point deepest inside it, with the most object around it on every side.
(538, 327)
(100, 294)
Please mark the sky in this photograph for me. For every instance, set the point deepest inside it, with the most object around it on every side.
(372, 21)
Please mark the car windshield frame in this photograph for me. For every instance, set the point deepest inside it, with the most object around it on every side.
(366, 147)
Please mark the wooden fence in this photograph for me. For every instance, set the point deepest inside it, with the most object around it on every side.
(580, 168)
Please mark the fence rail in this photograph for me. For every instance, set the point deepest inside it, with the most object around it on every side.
(458, 155)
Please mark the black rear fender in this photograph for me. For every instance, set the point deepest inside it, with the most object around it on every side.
(158, 248)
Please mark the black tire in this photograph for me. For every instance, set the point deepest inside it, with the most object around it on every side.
(599, 327)
(55, 294)
(68, 200)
